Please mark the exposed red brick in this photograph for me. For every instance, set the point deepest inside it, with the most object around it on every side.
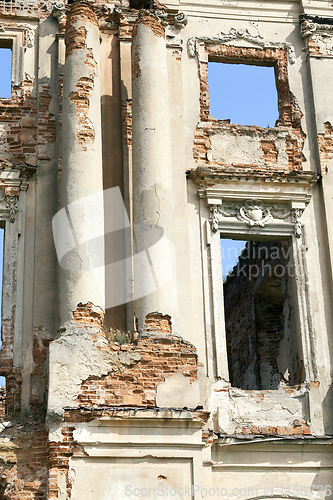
(325, 142)
(85, 131)
(151, 21)
(136, 70)
(315, 48)
(177, 54)
(88, 314)
(127, 121)
(39, 374)
(7, 340)
(85, 88)
(315, 384)
(295, 430)
(269, 150)
(75, 39)
(59, 456)
(156, 323)
(24, 465)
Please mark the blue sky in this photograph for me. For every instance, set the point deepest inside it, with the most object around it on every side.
(5, 67)
(230, 251)
(246, 94)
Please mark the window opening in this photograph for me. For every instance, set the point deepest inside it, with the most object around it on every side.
(2, 379)
(263, 348)
(246, 94)
(6, 70)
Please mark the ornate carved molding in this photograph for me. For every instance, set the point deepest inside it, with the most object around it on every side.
(256, 213)
(235, 34)
(311, 25)
(214, 218)
(29, 33)
(58, 9)
(13, 179)
(267, 203)
(180, 20)
(11, 203)
(162, 16)
(297, 214)
(318, 33)
(176, 21)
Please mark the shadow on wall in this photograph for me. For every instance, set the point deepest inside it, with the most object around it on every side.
(327, 412)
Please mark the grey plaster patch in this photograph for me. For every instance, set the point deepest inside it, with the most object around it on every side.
(78, 354)
(178, 392)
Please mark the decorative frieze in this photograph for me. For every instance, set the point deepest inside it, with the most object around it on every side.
(255, 202)
(234, 34)
(256, 213)
(11, 202)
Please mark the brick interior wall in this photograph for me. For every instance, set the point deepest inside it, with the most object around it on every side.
(254, 318)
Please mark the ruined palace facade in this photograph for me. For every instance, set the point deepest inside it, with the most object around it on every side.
(132, 370)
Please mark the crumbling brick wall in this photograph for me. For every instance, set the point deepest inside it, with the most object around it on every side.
(136, 384)
(23, 458)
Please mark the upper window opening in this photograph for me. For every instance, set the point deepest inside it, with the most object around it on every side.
(263, 346)
(245, 94)
(6, 70)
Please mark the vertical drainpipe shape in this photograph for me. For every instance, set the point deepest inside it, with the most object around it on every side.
(81, 187)
(155, 279)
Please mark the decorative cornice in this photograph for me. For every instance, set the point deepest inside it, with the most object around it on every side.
(16, 166)
(13, 179)
(235, 34)
(318, 35)
(253, 200)
(204, 175)
(179, 20)
(313, 24)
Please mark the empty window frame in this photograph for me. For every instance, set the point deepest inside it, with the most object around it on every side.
(6, 69)
(276, 58)
(263, 347)
(242, 93)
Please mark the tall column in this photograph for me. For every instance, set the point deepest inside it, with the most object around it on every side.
(155, 286)
(79, 226)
